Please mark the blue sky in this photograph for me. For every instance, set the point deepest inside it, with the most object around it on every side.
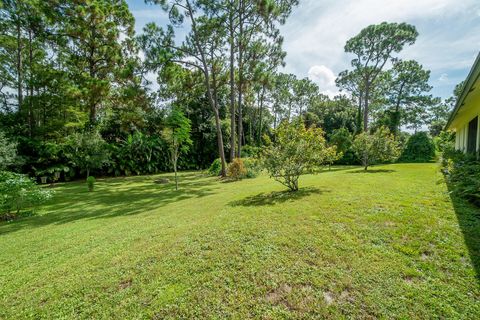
(317, 30)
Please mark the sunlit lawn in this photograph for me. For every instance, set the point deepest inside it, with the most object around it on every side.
(385, 244)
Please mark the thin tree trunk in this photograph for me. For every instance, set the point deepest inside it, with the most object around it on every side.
(92, 102)
(396, 121)
(240, 87)
(260, 117)
(232, 90)
(359, 113)
(19, 67)
(365, 110)
(30, 109)
(212, 101)
(175, 170)
(274, 119)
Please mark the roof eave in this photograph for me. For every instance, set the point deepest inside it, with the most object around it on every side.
(470, 81)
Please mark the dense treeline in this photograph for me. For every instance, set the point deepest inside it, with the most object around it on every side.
(74, 73)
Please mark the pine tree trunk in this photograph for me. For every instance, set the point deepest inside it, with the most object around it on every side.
(260, 117)
(19, 67)
(212, 98)
(232, 91)
(240, 89)
(365, 109)
(30, 109)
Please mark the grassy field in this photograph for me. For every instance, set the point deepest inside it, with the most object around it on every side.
(390, 243)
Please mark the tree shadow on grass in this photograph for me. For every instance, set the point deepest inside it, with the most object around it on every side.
(275, 197)
(468, 216)
(373, 171)
(113, 197)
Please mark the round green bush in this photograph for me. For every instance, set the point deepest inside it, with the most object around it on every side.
(419, 148)
(215, 168)
(91, 183)
(253, 167)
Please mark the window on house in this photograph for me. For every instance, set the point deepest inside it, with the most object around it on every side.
(472, 136)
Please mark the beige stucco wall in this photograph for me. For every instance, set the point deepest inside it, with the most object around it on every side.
(466, 113)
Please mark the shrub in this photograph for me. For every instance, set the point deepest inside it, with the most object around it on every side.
(253, 167)
(251, 151)
(17, 192)
(215, 168)
(463, 176)
(86, 151)
(296, 151)
(343, 140)
(420, 148)
(445, 143)
(377, 147)
(139, 154)
(91, 183)
(8, 151)
(236, 169)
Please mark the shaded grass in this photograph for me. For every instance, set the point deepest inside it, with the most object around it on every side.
(387, 245)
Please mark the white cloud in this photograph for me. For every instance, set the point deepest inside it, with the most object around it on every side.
(317, 31)
(324, 78)
(443, 77)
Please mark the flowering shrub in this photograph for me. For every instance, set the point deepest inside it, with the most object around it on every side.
(18, 192)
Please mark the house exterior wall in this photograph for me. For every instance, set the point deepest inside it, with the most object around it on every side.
(469, 111)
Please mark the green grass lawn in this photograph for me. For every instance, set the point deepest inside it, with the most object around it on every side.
(390, 243)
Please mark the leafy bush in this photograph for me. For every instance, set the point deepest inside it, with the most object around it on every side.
(343, 140)
(17, 192)
(87, 151)
(463, 176)
(236, 169)
(296, 151)
(215, 168)
(420, 148)
(251, 151)
(139, 154)
(253, 167)
(377, 147)
(445, 143)
(8, 151)
(91, 182)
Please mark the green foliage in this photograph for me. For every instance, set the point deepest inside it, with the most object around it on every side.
(177, 136)
(378, 147)
(407, 84)
(463, 175)
(138, 154)
(91, 182)
(132, 229)
(8, 151)
(18, 192)
(177, 131)
(236, 169)
(251, 151)
(372, 48)
(342, 139)
(86, 151)
(296, 151)
(253, 167)
(419, 148)
(445, 143)
(215, 168)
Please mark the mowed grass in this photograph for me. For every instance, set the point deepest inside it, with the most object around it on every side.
(390, 243)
